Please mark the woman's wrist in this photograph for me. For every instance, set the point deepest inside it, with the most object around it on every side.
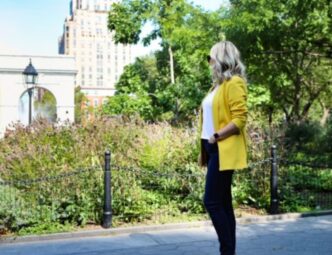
(216, 136)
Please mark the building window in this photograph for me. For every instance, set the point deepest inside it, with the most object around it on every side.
(99, 47)
(96, 103)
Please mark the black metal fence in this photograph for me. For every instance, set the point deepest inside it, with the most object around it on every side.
(273, 184)
(283, 183)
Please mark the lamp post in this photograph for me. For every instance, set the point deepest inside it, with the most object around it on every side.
(30, 77)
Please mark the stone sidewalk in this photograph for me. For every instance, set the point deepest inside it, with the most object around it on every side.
(302, 236)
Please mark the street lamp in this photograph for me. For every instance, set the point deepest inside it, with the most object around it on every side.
(30, 77)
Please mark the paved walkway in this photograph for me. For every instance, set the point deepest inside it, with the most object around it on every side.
(303, 236)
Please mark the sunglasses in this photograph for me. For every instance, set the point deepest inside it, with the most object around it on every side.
(223, 65)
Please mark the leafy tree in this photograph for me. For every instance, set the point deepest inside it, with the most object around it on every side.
(128, 17)
(135, 90)
(287, 46)
(128, 105)
(177, 78)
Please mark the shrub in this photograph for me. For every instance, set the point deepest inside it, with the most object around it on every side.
(57, 178)
(56, 170)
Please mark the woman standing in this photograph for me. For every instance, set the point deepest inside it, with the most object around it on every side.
(223, 118)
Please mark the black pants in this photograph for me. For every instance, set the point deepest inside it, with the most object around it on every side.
(218, 200)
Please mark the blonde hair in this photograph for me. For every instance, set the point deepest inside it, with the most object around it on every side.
(227, 62)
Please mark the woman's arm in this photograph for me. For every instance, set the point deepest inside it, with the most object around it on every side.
(237, 101)
(229, 130)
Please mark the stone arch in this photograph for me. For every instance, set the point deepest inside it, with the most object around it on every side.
(55, 73)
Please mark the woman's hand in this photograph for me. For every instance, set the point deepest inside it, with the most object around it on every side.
(212, 140)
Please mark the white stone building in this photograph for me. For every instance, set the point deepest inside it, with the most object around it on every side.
(56, 74)
(99, 60)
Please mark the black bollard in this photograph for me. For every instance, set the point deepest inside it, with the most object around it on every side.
(107, 215)
(274, 181)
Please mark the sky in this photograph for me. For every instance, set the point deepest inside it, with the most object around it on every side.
(33, 27)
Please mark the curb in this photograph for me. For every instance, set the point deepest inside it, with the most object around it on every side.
(139, 229)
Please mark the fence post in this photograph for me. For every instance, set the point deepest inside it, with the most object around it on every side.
(274, 181)
(107, 215)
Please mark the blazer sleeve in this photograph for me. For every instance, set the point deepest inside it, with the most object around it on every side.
(237, 100)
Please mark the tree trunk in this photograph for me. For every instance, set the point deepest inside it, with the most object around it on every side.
(171, 60)
(326, 114)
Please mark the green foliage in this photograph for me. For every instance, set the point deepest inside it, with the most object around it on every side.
(10, 217)
(46, 228)
(259, 99)
(286, 46)
(127, 19)
(154, 174)
(307, 184)
(55, 203)
(133, 91)
(304, 138)
(325, 143)
(304, 188)
(128, 105)
(143, 89)
(309, 141)
(181, 28)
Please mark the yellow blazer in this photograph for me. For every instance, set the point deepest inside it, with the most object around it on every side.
(229, 105)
